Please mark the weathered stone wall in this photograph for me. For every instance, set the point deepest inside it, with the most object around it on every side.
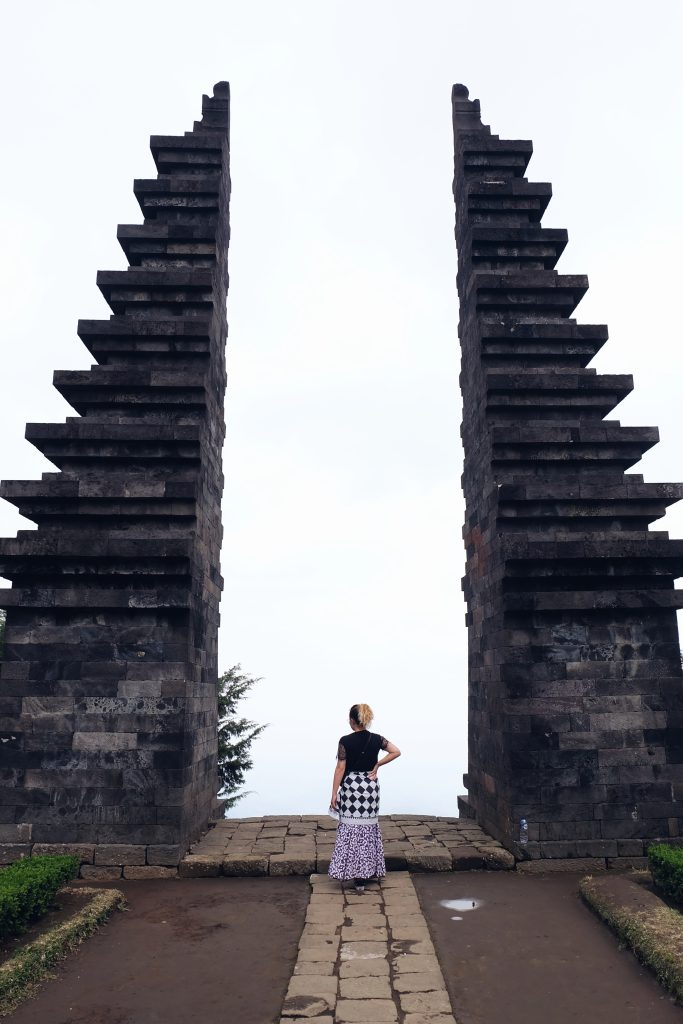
(575, 689)
(108, 686)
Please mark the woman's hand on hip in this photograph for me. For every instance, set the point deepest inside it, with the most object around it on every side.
(373, 774)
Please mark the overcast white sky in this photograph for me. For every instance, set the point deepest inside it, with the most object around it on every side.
(343, 512)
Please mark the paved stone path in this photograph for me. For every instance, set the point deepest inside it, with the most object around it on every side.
(366, 959)
(302, 845)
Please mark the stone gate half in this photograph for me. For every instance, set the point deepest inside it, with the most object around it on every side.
(575, 688)
(108, 683)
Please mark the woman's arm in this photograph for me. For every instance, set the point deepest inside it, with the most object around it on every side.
(392, 753)
(336, 781)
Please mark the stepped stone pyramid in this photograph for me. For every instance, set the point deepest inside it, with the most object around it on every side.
(108, 684)
(575, 687)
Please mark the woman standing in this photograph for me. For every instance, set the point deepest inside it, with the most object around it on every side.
(358, 851)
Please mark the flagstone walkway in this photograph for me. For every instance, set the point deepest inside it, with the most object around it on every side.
(366, 959)
(302, 845)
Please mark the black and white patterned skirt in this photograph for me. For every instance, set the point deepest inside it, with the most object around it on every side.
(358, 800)
(358, 849)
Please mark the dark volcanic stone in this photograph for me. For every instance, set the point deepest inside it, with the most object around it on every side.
(109, 677)
(575, 688)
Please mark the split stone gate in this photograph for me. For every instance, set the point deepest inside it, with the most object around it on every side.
(108, 683)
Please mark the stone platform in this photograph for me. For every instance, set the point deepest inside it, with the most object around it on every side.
(302, 845)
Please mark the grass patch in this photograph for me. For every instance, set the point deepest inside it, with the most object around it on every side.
(666, 866)
(28, 888)
(21, 974)
(653, 931)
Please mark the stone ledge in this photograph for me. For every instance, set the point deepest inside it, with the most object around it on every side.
(231, 849)
(287, 864)
(247, 865)
(86, 852)
(119, 853)
(143, 871)
(199, 867)
(100, 873)
(579, 864)
(424, 860)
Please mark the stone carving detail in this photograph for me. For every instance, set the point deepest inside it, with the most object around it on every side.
(108, 685)
(575, 688)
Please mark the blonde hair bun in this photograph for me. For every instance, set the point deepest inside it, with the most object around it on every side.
(362, 714)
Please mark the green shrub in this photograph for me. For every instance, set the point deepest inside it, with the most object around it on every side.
(666, 867)
(28, 888)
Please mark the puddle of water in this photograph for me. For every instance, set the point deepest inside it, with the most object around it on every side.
(456, 919)
(461, 905)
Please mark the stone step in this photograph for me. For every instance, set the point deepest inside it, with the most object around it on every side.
(557, 432)
(194, 198)
(137, 388)
(155, 292)
(166, 339)
(540, 292)
(559, 379)
(78, 442)
(484, 154)
(541, 331)
(510, 247)
(186, 153)
(89, 557)
(127, 596)
(559, 516)
(632, 488)
(561, 456)
(54, 512)
(485, 199)
(124, 487)
(544, 344)
(650, 545)
(594, 600)
(155, 244)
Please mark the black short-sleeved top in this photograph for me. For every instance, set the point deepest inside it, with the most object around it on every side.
(360, 750)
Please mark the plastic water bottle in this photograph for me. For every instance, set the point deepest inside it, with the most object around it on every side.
(523, 832)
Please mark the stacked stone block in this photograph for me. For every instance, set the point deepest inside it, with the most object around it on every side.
(299, 845)
(575, 688)
(108, 683)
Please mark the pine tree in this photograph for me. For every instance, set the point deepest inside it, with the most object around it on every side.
(235, 735)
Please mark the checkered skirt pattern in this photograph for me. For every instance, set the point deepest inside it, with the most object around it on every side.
(358, 850)
(358, 800)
